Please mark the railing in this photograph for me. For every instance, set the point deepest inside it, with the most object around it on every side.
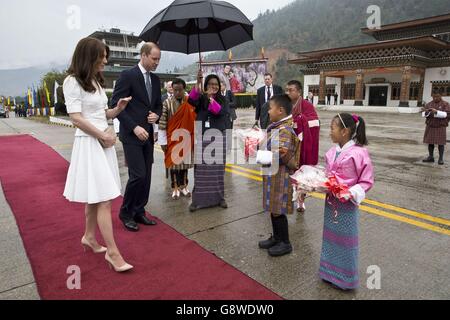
(245, 100)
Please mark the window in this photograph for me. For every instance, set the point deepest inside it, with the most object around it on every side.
(396, 90)
(315, 90)
(442, 86)
(349, 91)
(331, 88)
(414, 91)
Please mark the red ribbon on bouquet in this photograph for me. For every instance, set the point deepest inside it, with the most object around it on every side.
(251, 147)
(339, 191)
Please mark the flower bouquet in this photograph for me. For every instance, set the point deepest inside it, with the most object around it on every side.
(250, 138)
(315, 179)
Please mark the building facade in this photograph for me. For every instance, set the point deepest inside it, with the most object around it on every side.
(409, 60)
(124, 54)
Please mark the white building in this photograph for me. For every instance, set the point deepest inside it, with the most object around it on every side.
(400, 71)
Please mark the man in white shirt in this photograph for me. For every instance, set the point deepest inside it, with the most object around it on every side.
(264, 94)
(137, 132)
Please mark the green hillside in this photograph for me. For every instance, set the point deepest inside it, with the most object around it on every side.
(306, 25)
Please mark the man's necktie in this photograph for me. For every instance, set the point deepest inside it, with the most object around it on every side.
(148, 86)
(269, 94)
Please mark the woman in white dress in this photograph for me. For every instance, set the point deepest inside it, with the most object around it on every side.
(93, 176)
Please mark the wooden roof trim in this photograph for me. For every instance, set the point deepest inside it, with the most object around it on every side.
(409, 24)
(313, 55)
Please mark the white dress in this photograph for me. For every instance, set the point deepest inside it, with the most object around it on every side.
(93, 175)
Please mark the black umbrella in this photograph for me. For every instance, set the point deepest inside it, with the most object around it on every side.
(190, 26)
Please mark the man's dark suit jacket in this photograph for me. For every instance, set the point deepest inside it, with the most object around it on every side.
(232, 104)
(261, 98)
(132, 83)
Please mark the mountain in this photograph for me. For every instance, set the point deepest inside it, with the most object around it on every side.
(307, 25)
(15, 82)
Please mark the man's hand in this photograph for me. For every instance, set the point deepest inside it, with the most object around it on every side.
(199, 76)
(141, 133)
(152, 118)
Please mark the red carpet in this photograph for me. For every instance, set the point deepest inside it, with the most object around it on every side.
(168, 266)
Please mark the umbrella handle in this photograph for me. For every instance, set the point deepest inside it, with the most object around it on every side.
(198, 41)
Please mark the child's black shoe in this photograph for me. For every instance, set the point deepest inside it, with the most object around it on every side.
(267, 244)
(280, 249)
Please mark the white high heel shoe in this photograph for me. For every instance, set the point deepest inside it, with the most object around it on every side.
(185, 192)
(87, 245)
(124, 268)
(176, 195)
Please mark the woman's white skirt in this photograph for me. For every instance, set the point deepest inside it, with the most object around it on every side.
(93, 175)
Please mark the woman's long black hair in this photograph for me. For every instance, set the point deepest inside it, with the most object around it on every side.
(219, 98)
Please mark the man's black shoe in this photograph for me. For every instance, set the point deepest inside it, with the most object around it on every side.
(145, 221)
(130, 225)
(428, 160)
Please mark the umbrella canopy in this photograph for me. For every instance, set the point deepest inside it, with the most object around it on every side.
(190, 26)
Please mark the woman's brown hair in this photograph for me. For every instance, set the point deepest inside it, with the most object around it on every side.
(88, 55)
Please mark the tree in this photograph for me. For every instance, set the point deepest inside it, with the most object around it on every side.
(50, 79)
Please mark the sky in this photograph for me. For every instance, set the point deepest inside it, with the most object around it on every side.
(44, 33)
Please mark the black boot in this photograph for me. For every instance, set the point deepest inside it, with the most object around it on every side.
(441, 155)
(284, 246)
(274, 238)
(430, 158)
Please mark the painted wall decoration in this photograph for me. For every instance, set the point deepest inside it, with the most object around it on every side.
(240, 77)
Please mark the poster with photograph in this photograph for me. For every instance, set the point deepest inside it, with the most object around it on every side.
(239, 77)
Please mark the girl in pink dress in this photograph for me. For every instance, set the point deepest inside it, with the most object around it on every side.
(350, 163)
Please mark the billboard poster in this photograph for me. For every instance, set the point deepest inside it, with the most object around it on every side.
(241, 77)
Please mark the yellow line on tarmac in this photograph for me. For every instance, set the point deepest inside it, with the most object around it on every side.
(379, 212)
(256, 176)
(377, 204)
(258, 173)
(239, 173)
(406, 220)
(408, 212)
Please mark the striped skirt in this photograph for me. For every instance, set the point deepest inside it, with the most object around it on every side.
(340, 249)
(436, 136)
(209, 179)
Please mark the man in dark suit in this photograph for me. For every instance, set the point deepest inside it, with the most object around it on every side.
(231, 102)
(231, 99)
(137, 133)
(264, 94)
(329, 98)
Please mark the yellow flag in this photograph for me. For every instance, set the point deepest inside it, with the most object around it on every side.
(47, 93)
(230, 56)
(30, 98)
(9, 102)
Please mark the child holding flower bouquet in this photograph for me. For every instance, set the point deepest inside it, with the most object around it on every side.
(277, 187)
(350, 168)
